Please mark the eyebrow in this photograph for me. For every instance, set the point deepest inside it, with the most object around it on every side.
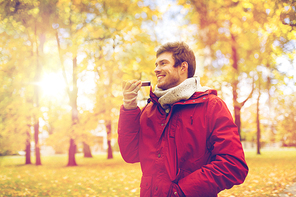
(164, 60)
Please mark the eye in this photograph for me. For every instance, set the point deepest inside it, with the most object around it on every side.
(162, 63)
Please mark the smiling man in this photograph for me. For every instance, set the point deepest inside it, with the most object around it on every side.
(168, 75)
(184, 138)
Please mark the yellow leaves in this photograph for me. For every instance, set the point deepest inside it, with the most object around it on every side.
(291, 36)
(278, 12)
(145, 9)
(187, 6)
(182, 2)
(62, 3)
(77, 2)
(67, 9)
(236, 29)
(270, 27)
(247, 5)
(34, 12)
(12, 9)
(291, 55)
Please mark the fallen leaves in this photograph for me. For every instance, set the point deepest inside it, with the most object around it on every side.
(269, 174)
(93, 177)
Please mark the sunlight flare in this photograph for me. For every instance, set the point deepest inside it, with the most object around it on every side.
(52, 84)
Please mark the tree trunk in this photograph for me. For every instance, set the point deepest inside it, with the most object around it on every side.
(110, 152)
(270, 118)
(28, 147)
(237, 119)
(37, 146)
(86, 150)
(234, 85)
(37, 92)
(73, 100)
(237, 106)
(72, 145)
(258, 129)
(71, 154)
(258, 120)
(109, 136)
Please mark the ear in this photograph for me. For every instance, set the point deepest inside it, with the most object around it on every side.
(184, 68)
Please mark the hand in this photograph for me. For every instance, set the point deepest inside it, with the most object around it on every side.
(130, 93)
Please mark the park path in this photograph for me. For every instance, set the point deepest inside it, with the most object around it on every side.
(289, 191)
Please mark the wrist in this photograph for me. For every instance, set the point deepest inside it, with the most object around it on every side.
(130, 104)
(130, 107)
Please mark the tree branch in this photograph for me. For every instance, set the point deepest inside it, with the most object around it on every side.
(250, 95)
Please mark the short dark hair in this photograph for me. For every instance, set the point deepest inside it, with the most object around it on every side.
(181, 53)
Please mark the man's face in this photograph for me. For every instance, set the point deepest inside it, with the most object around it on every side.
(167, 75)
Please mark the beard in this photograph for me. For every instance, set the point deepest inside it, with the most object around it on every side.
(168, 82)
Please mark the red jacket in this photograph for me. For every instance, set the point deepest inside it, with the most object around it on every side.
(195, 150)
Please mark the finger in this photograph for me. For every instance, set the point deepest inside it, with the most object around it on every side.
(128, 85)
(133, 86)
(136, 86)
(139, 84)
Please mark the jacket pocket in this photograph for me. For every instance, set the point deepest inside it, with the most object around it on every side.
(145, 186)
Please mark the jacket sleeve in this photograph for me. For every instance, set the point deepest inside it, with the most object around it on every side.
(227, 166)
(128, 134)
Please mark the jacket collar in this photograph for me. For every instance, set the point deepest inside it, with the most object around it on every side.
(197, 97)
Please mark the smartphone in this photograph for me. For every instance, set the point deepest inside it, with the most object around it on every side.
(146, 83)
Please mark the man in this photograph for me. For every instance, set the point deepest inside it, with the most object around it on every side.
(185, 138)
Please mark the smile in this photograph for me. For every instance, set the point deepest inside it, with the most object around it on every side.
(160, 77)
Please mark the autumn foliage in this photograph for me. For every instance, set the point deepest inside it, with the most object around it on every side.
(62, 63)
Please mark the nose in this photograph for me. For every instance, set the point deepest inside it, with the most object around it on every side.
(156, 70)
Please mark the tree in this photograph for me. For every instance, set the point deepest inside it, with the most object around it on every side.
(225, 29)
(275, 36)
(258, 117)
(16, 87)
(31, 19)
(91, 24)
(286, 120)
(15, 106)
(107, 44)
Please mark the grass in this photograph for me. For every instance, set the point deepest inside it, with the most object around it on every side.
(95, 176)
(269, 174)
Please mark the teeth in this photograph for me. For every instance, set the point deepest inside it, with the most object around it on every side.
(159, 77)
